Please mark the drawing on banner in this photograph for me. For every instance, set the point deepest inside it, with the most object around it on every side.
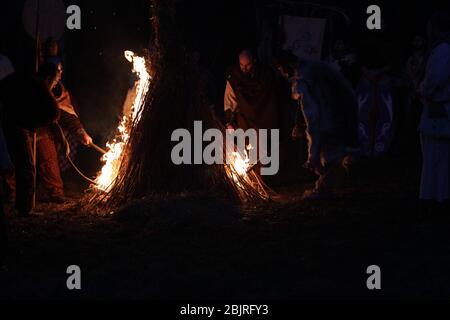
(304, 36)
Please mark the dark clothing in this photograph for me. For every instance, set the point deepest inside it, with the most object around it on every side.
(72, 130)
(3, 239)
(68, 118)
(27, 102)
(27, 105)
(329, 108)
(20, 145)
(48, 148)
(252, 101)
(47, 167)
(5, 166)
(48, 170)
(257, 95)
(331, 99)
(70, 123)
(49, 140)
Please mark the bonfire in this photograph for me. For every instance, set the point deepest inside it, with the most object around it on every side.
(168, 94)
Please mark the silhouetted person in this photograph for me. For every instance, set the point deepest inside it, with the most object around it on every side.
(435, 121)
(344, 60)
(375, 95)
(5, 166)
(416, 61)
(48, 166)
(51, 52)
(252, 98)
(251, 95)
(329, 108)
(27, 105)
(3, 239)
(6, 69)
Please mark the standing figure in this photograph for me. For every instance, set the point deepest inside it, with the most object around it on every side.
(27, 106)
(49, 171)
(5, 166)
(435, 121)
(251, 95)
(375, 96)
(252, 100)
(329, 108)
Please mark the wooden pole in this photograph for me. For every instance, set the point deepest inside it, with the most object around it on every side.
(34, 134)
(97, 148)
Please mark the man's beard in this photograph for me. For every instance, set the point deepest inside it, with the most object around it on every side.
(249, 74)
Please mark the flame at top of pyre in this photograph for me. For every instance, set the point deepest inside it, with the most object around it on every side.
(113, 158)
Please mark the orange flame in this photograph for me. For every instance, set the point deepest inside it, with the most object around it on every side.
(113, 158)
(239, 165)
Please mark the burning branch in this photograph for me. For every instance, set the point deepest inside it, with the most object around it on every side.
(114, 156)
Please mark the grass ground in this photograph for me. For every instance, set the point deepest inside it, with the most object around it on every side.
(196, 246)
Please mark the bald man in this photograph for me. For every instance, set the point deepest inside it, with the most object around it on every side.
(251, 95)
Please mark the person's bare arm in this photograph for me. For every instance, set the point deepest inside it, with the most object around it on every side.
(230, 106)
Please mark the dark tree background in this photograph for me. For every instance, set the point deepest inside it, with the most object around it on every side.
(98, 75)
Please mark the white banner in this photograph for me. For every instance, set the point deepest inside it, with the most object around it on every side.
(304, 36)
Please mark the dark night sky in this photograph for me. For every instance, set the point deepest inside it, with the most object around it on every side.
(97, 73)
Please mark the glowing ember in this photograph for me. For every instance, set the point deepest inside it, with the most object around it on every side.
(239, 169)
(240, 165)
(113, 158)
